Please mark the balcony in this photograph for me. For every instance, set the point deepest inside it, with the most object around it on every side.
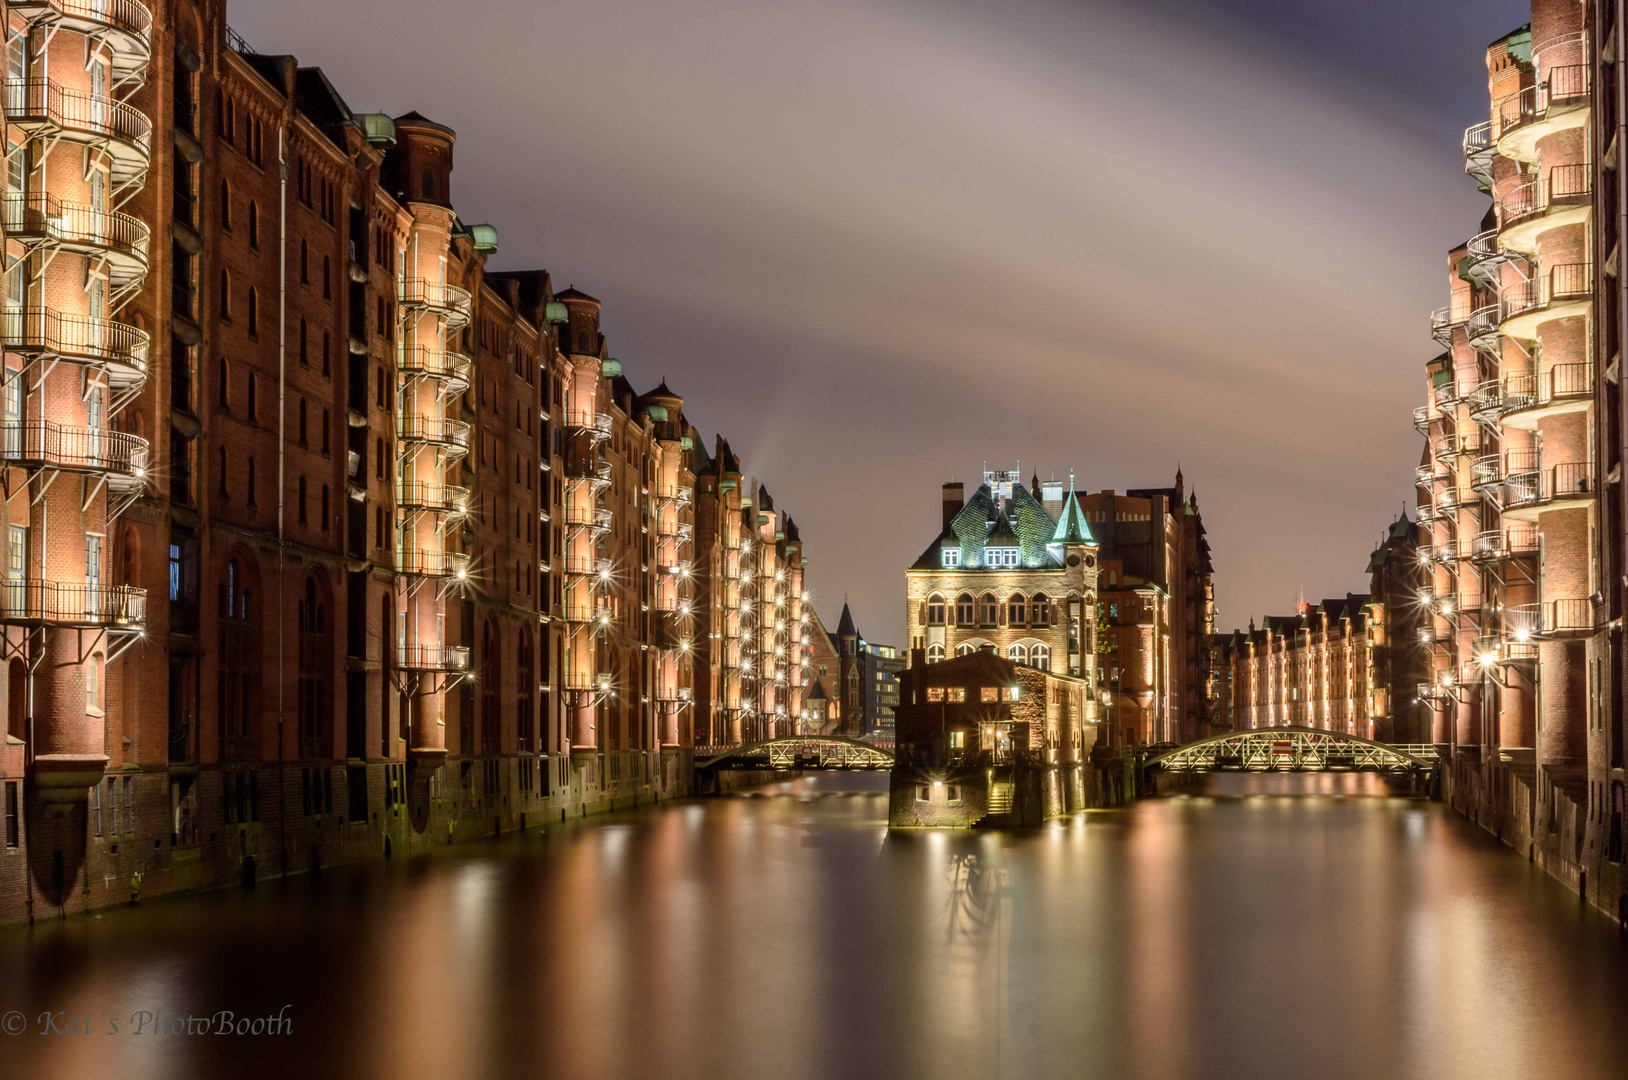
(1453, 498)
(679, 694)
(425, 297)
(41, 444)
(593, 518)
(80, 339)
(425, 562)
(589, 472)
(1557, 102)
(1447, 447)
(1479, 150)
(1421, 419)
(432, 496)
(1561, 292)
(53, 603)
(587, 614)
(1564, 388)
(123, 27)
(1442, 323)
(1537, 205)
(672, 604)
(1486, 471)
(1446, 394)
(1481, 328)
(431, 362)
(1486, 400)
(1510, 542)
(1531, 488)
(678, 496)
(598, 569)
(434, 430)
(681, 531)
(596, 426)
(42, 221)
(1550, 620)
(432, 657)
(44, 107)
(1484, 258)
(588, 682)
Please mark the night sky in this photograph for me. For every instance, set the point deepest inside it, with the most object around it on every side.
(879, 243)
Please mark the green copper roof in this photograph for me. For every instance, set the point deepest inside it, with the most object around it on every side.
(1071, 526)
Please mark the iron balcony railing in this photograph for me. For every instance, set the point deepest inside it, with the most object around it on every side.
(675, 693)
(587, 567)
(681, 496)
(589, 470)
(1450, 446)
(587, 613)
(433, 429)
(1482, 325)
(1485, 256)
(597, 425)
(590, 682)
(1446, 394)
(126, 18)
(1568, 281)
(1442, 322)
(33, 103)
(1563, 382)
(432, 657)
(1509, 542)
(1528, 483)
(1486, 399)
(1487, 470)
(80, 338)
(75, 449)
(434, 362)
(423, 294)
(1451, 498)
(42, 217)
(1421, 419)
(1534, 195)
(60, 604)
(1479, 152)
(1553, 618)
(432, 495)
(588, 517)
(426, 562)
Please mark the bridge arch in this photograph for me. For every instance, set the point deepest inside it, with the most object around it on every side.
(1292, 749)
(831, 752)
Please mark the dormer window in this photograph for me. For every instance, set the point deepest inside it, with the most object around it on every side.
(951, 556)
(1001, 556)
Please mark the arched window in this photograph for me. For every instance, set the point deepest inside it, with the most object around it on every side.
(249, 495)
(935, 652)
(305, 263)
(966, 648)
(990, 613)
(254, 224)
(935, 610)
(1040, 657)
(427, 184)
(226, 204)
(254, 311)
(491, 674)
(220, 469)
(302, 500)
(302, 421)
(226, 294)
(1018, 654)
(1041, 613)
(315, 734)
(963, 610)
(582, 342)
(1016, 610)
(305, 336)
(223, 373)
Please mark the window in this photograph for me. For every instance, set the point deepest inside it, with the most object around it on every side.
(326, 419)
(935, 693)
(1012, 693)
(991, 612)
(254, 311)
(254, 225)
(1041, 613)
(253, 402)
(302, 500)
(305, 263)
(966, 648)
(427, 184)
(327, 278)
(1040, 657)
(93, 685)
(324, 507)
(226, 295)
(96, 809)
(1018, 654)
(13, 826)
(957, 693)
(222, 375)
(935, 653)
(989, 693)
(305, 332)
(220, 470)
(1016, 610)
(963, 610)
(1001, 556)
(924, 793)
(950, 556)
(250, 493)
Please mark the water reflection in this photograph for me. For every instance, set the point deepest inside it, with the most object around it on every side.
(1262, 927)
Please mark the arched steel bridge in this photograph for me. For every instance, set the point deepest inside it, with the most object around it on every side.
(1294, 749)
(831, 752)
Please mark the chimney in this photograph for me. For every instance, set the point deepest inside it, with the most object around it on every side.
(954, 499)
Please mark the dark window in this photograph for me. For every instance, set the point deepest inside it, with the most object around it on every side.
(13, 826)
(254, 224)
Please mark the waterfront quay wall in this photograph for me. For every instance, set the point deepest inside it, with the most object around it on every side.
(1497, 794)
(265, 821)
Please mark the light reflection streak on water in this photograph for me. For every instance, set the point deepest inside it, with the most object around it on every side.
(1265, 927)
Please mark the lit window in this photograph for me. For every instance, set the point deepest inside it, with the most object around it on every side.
(958, 693)
(935, 693)
(951, 556)
(1011, 693)
(989, 693)
(935, 653)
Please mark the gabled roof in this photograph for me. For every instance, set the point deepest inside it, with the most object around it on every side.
(574, 293)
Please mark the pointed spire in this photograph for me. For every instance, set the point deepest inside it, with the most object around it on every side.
(845, 625)
(1071, 524)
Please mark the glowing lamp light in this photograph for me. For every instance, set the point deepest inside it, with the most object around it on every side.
(1523, 635)
(1487, 659)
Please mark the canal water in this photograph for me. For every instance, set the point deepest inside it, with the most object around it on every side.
(1295, 927)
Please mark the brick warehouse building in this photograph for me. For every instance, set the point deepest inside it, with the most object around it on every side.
(1351, 664)
(323, 538)
(1134, 616)
(1520, 487)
